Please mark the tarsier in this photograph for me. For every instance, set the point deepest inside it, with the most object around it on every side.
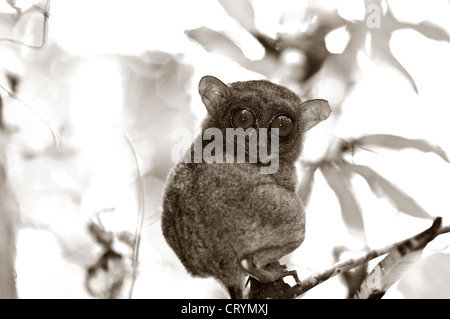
(228, 220)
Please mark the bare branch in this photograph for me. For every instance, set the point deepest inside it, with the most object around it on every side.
(8, 211)
(413, 243)
(443, 230)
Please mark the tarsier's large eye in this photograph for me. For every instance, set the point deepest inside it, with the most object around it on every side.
(243, 118)
(284, 125)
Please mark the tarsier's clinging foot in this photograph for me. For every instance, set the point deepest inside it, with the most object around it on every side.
(270, 272)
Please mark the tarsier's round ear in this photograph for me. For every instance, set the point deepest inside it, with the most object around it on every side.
(213, 92)
(313, 112)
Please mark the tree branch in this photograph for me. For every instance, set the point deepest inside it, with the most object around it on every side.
(8, 209)
(279, 289)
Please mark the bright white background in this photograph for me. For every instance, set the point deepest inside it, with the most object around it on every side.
(79, 79)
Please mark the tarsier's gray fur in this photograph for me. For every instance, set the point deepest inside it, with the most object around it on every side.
(229, 221)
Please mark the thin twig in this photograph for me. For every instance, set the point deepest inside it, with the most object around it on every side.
(54, 131)
(443, 230)
(140, 221)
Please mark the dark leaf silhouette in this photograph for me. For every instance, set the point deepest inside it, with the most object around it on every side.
(383, 188)
(105, 278)
(398, 143)
(339, 181)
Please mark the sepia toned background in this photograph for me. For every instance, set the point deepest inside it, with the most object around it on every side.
(92, 91)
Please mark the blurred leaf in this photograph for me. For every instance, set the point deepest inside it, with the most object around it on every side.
(105, 278)
(380, 38)
(383, 188)
(382, 50)
(242, 13)
(380, 42)
(12, 4)
(100, 235)
(398, 142)
(28, 25)
(339, 181)
(429, 278)
(394, 266)
(214, 41)
(272, 46)
(309, 46)
(430, 30)
(354, 277)
(390, 270)
(218, 42)
(307, 181)
(2, 124)
(172, 77)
